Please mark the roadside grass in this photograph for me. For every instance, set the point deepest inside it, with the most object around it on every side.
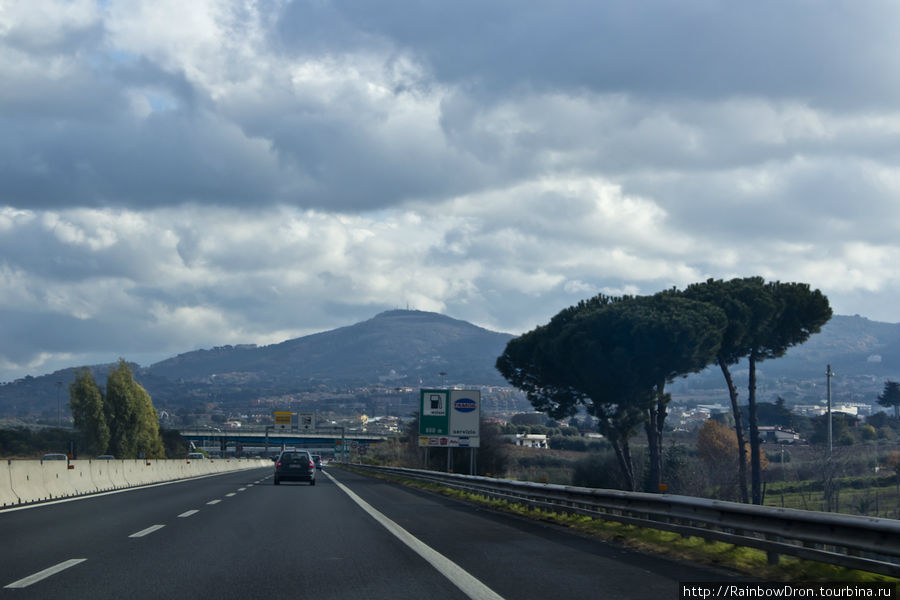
(873, 497)
(747, 561)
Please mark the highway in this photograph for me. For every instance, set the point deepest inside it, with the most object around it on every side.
(238, 536)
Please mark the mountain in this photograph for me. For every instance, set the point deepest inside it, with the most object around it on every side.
(400, 346)
(863, 354)
(394, 348)
(412, 348)
(854, 345)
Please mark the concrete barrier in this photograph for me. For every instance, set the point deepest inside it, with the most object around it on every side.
(78, 478)
(28, 481)
(167, 470)
(145, 473)
(100, 474)
(56, 478)
(7, 496)
(130, 473)
(199, 466)
(117, 474)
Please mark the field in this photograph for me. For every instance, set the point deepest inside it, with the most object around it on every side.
(855, 480)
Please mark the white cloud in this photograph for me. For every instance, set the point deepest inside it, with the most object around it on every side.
(185, 175)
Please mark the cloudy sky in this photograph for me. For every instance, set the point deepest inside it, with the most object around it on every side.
(179, 175)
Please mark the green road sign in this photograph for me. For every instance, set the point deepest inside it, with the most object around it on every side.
(449, 418)
(434, 412)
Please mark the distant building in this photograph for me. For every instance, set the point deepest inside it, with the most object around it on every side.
(779, 435)
(850, 408)
(529, 440)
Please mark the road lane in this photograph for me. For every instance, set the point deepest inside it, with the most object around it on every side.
(269, 541)
(48, 534)
(518, 557)
(295, 540)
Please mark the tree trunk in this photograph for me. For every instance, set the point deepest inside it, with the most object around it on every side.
(623, 456)
(739, 430)
(755, 471)
(653, 449)
(629, 464)
(654, 428)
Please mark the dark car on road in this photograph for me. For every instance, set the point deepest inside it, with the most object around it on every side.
(295, 466)
(317, 460)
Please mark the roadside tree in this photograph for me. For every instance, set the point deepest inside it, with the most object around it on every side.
(615, 356)
(86, 402)
(717, 450)
(124, 416)
(764, 321)
(890, 397)
(794, 313)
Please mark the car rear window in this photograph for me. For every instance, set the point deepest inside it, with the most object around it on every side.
(295, 458)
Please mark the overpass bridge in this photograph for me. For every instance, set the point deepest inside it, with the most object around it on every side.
(268, 441)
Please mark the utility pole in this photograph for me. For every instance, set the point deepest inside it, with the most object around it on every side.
(828, 375)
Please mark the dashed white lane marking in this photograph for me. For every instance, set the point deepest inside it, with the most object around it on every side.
(211, 502)
(26, 581)
(147, 531)
(230, 494)
(242, 489)
(188, 513)
(468, 584)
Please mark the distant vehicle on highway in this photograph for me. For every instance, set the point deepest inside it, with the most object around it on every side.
(295, 466)
(317, 460)
(197, 455)
(105, 457)
(54, 456)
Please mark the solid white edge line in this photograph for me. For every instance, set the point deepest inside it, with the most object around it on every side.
(147, 531)
(26, 581)
(188, 513)
(469, 585)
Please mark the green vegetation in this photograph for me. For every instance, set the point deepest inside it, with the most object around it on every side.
(22, 442)
(614, 356)
(890, 397)
(121, 421)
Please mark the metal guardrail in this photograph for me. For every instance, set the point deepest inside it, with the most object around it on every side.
(866, 543)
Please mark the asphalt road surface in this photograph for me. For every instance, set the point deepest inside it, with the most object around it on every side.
(349, 536)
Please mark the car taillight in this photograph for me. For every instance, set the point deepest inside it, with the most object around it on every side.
(278, 465)
(312, 465)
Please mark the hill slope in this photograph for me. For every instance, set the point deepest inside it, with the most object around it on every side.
(412, 348)
(401, 345)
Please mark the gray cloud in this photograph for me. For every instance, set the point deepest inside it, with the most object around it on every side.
(828, 54)
(174, 178)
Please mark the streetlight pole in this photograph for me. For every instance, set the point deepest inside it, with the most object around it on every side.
(828, 375)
